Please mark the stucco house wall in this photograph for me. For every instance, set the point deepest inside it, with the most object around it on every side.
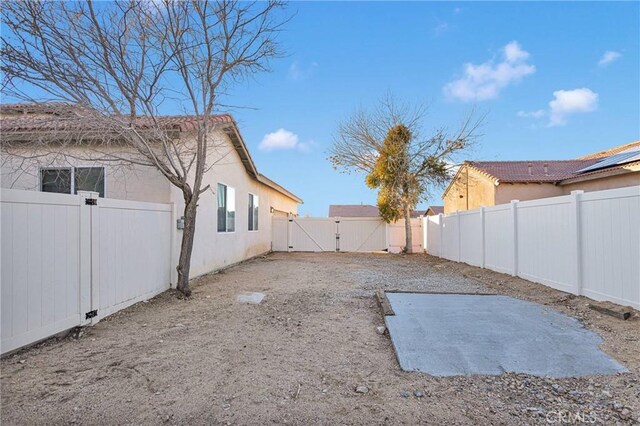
(481, 191)
(212, 249)
(610, 182)
(505, 192)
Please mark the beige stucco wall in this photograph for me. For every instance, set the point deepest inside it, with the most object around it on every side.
(123, 182)
(505, 192)
(619, 181)
(212, 250)
(481, 191)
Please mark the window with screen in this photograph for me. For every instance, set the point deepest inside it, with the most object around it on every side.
(253, 212)
(226, 208)
(70, 180)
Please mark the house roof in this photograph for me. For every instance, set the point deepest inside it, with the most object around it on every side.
(435, 210)
(612, 151)
(620, 159)
(360, 210)
(18, 120)
(353, 210)
(530, 171)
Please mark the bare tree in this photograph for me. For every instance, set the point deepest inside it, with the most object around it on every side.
(388, 145)
(120, 63)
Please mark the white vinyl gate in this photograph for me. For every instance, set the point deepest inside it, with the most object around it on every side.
(70, 261)
(329, 234)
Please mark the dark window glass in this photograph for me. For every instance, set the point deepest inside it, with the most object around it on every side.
(56, 180)
(253, 212)
(222, 208)
(89, 179)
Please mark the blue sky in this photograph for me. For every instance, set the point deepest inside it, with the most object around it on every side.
(556, 80)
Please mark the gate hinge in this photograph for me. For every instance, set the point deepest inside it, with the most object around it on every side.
(290, 246)
(91, 201)
(91, 314)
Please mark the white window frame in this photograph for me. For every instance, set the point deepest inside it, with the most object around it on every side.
(72, 185)
(235, 222)
(255, 197)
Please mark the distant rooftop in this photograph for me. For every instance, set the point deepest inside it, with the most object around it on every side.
(361, 210)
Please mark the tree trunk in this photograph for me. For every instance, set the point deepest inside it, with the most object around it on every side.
(407, 229)
(186, 247)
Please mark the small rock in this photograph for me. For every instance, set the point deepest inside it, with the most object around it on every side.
(362, 389)
(381, 329)
(625, 414)
(418, 394)
(606, 393)
(405, 394)
(22, 361)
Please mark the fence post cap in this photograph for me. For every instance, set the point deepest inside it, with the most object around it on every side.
(577, 191)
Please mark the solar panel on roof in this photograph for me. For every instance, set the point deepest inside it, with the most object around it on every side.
(614, 160)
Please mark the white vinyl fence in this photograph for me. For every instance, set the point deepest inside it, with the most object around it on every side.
(583, 243)
(342, 234)
(67, 262)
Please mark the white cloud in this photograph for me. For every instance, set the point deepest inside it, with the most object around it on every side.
(608, 57)
(532, 114)
(283, 139)
(485, 81)
(280, 139)
(298, 71)
(568, 102)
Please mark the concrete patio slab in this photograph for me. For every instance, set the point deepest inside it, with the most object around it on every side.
(455, 334)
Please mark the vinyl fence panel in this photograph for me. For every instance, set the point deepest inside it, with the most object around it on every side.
(546, 238)
(134, 252)
(610, 243)
(40, 266)
(471, 240)
(498, 238)
(64, 258)
(450, 237)
(583, 243)
(362, 234)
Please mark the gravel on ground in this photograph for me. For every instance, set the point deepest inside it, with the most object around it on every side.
(309, 353)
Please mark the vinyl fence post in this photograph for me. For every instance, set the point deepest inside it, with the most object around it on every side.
(173, 273)
(289, 223)
(482, 261)
(575, 201)
(440, 236)
(459, 235)
(91, 201)
(85, 256)
(514, 223)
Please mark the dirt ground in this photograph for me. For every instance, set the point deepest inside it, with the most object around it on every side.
(298, 357)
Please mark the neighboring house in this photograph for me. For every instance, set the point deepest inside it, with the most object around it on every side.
(488, 183)
(434, 210)
(234, 215)
(360, 210)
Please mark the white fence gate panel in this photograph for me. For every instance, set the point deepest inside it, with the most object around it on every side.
(134, 253)
(40, 266)
(397, 236)
(279, 237)
(583, 243)
(362, 235)
(313, 234)
(329, 234)
(63, 258)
